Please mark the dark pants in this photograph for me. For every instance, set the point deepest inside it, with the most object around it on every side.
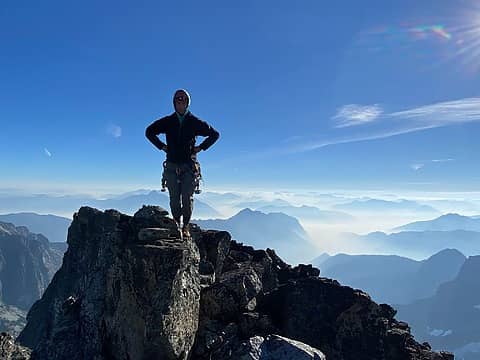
(181, 184)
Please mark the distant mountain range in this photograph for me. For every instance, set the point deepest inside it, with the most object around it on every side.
(215, 198)
(392, 279)
(377, 205)
(12, 319)
(276, 230)
(448, 222)
(69, 204)
(53, 227)
(419, 243)
(451, 318)
(27, 264)
(305, 212)
(446, 206)
(256, 204)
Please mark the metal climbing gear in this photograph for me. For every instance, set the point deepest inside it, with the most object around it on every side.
(197, 175)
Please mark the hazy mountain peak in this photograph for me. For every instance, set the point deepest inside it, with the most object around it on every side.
(446, 253)
(446, 222)
(7, 228)
(11, 229)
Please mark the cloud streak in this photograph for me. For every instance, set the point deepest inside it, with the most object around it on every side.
(353, 115)
(384, 125)
(421, 164)
(314, 145)
(442, 160)
(444, 113)
(417, 167)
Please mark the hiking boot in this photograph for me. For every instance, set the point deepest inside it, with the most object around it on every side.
(186, 231)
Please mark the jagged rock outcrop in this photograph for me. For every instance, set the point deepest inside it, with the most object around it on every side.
(130, 289)
(116, 296)
(11, 351)
(12, 319)
(27, 265)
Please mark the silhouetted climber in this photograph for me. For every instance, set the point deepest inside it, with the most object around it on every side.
(181, 167)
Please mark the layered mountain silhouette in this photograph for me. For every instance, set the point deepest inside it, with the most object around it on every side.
(53, 227)
(450, 319)
(215, 198)
(275, 230)
(256, 204)
(393, 279)
(377, 205)
(127, 203)
(129, 288)
(305, 212)
(27, 265)
(417, 244)
(448, 222)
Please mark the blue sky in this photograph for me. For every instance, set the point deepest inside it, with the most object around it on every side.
(310, 94)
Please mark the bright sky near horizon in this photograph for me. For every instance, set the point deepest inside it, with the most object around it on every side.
(306, 94)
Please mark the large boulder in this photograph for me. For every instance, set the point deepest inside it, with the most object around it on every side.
(118, 296)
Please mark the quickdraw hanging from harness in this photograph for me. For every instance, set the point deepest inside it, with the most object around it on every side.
(197, 175)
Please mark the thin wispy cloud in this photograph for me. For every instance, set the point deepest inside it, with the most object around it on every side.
(421, 164)
(444, 113)
(314, 145)
(442, 160)
(385, 125)
(417, 167)
(293, 138)
(48, 153)
(353, 114)
(114, 130)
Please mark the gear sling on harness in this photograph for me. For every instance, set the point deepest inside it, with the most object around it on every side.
(197, 175)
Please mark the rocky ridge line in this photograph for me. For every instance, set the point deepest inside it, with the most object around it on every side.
(129, 288)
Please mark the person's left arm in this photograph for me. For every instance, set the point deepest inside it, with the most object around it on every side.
(202, 128)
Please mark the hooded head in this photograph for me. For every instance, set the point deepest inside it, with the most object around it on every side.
(181, 101)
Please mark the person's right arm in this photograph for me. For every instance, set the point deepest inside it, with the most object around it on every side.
(153, 130)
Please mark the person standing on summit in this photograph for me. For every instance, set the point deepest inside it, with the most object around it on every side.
(181, 129)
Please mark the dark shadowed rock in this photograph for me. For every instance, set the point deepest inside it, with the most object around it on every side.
(295, 303)
(130, 289)
(116, 297)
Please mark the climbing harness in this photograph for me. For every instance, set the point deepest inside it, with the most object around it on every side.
(197, 175)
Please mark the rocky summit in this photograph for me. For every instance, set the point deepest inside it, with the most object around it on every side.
(130, 288)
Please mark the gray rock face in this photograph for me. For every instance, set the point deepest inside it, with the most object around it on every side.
(27, 264)
(275, 347)
(130, 289)
(12, 319)
(117, 297)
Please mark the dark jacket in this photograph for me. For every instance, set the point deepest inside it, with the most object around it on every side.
(181, 137)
